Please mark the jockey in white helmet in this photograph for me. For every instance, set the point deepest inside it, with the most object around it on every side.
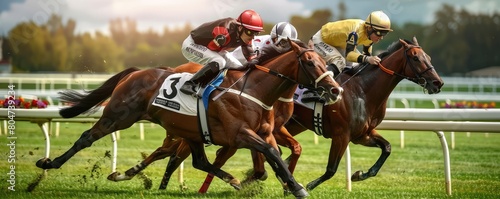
(277, 40)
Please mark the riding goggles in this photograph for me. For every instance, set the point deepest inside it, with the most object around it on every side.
(380, 33)
(250, 32)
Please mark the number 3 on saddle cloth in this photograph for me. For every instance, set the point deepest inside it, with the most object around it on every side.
(170, 98)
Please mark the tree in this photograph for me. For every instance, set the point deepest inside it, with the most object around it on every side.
(308, 26)
(28, 47)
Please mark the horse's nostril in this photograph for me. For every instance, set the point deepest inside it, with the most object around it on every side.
(337, 91)
(437, 83)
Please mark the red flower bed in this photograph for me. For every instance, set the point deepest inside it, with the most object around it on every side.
(20, 102)
(467, 104)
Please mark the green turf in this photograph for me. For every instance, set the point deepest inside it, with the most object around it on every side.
(416, 171)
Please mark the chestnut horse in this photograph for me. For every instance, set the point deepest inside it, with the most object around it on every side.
(178, 151)
(355, 117)
(133, 91)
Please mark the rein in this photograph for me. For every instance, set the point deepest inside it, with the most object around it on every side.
(418, 79)
(277, 74)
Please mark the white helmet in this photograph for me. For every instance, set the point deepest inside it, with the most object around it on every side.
(283, 30)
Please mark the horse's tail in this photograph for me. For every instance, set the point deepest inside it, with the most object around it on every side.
(90, 100)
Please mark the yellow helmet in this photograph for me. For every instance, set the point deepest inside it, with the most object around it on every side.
(379, 21)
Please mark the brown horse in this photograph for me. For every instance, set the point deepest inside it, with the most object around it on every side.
(283, 110)
(363, 107)
(179, 151)
(132, 93)
(354, 118)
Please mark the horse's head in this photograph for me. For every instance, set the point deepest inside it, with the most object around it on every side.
(416, 65)
(421, 67)
(313, 74)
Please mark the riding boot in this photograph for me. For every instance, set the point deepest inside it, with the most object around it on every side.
(334, 69)
(202, 77)
(349, 70)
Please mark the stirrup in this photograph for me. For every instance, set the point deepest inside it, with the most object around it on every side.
(310, 96)
(189, 88)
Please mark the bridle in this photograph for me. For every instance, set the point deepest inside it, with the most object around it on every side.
(313, 83)
(418, 79)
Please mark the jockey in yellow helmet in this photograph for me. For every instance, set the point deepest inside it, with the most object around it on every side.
(336, 42)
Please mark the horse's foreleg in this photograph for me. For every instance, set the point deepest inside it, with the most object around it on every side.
(200, 162)
(168, 148)
(337, 149)
(182, 152)
(259, 171)
(374, 140)
(223, 154)
(274, 159)
(284, 138)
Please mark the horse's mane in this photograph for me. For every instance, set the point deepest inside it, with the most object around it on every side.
(393, 48)
(301, 44)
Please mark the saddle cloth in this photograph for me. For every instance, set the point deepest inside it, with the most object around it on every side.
(171, 98)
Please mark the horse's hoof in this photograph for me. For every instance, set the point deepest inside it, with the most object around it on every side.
(44, 163)
(310, 186)
(357, 176)
(301, 193)
(264, 176)
(235, 183)
(112, 176)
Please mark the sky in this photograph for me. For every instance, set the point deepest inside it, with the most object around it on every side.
(94, 15)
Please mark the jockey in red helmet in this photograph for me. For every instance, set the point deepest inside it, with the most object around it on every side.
(210, 43)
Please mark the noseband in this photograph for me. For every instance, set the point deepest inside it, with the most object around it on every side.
(313, 83)
(418, 79)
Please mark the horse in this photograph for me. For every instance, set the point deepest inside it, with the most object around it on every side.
(355, 117)
(282, 112)
(133, 91)
(363, 107)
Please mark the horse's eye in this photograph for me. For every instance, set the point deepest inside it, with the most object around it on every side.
(415, 58)
(310, 63)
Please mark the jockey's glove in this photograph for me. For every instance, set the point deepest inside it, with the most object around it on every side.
(251, 64)
(373, 60)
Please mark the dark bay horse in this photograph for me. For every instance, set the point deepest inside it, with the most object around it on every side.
(132, 92)
(361, 110)
(363, 107)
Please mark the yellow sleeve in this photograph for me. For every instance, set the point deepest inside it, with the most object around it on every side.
(352, 56)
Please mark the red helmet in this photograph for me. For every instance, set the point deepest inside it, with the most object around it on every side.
(251, 20)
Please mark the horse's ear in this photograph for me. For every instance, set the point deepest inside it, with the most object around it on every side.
(404, 43)
(295, 47)
(415, 41)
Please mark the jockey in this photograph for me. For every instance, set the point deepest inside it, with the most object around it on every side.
(269, 46)
(209, 44)
(337, 41)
